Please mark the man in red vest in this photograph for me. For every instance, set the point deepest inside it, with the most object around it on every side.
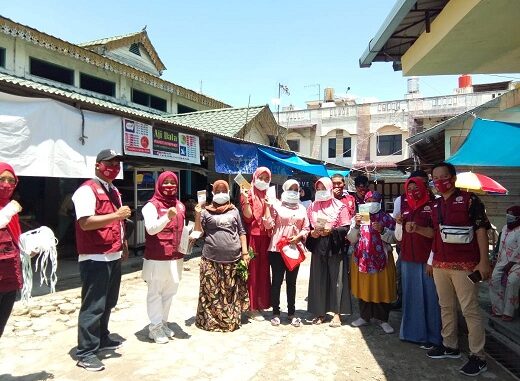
(101, 246)
(460, 247)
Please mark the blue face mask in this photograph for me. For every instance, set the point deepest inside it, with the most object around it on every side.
(511, 219)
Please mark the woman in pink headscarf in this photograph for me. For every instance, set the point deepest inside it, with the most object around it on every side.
(328, 283)
(254, 208)
(162, 267)
(10, 271)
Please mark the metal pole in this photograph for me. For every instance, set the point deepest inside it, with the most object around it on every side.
(279, 100)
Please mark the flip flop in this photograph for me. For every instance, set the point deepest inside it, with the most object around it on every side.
(318, 320)
(275, 321)
(296, 321)
(335, 324)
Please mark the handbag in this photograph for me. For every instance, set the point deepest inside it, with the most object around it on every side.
(454, 234)
(292, 254)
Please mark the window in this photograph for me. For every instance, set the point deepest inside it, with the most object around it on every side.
(332, 147)
(97, 85)
(389, 145)
(2, 57)
(134, 48)
(181, 109)
(294, 144)
(148, 100)
(51, 71)
(347, 147)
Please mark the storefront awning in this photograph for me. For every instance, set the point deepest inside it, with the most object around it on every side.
(490, 143)
(269, 157)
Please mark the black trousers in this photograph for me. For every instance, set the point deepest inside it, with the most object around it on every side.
(379, 311)
(6, 306)
(278, 270)
(99, 293)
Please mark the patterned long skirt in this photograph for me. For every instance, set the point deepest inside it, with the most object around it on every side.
(222, 297)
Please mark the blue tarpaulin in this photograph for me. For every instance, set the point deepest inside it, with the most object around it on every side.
(245, 158)
(490, 143)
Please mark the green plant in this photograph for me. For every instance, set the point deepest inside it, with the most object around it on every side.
(243, 265)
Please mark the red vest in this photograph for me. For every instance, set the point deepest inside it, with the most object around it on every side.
(350, 202)
(104, 240)
(10, 271)
(454, 212)
(416, 247)
(163, 245)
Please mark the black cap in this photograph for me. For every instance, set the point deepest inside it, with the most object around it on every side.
(108, 154)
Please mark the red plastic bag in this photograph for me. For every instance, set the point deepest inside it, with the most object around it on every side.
(292, 254)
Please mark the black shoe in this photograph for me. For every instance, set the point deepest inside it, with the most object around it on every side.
(474, 366)
(442, 352)
(91, 363)
(110, 344)
(397, 305)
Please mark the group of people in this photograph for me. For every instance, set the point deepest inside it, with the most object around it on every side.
(245, 257)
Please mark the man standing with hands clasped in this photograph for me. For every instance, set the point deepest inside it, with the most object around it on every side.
(460, 247)
(101, 244)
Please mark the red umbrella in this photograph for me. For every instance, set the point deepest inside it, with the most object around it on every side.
(478, 183)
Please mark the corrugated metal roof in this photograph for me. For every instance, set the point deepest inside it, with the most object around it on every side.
(227, 121)
(103, 41)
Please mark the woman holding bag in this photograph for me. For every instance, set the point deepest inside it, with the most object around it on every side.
(290, 224)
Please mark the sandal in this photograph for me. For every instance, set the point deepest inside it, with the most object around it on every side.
(507, 318)
(318, 320)
(335, 323)
(295, 321)
(275, 321)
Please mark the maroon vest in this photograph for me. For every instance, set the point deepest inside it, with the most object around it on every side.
(454, 212)
(10, 269)
(104, 240)
(163, 245)
(416, 247)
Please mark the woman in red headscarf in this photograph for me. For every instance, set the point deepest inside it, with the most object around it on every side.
(254, 208)
(223, 292)
(162, 267)
(372, 271)
(421, 322)
(328, 283)
(10, 270)
(505, 281)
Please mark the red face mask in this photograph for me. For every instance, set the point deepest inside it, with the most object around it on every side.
(443, 185)
(415, 194)
(6, 190)
(109, 171)
(168, 190)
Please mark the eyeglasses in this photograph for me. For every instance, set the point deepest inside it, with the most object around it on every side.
(9, 180)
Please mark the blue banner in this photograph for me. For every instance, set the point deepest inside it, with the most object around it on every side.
(234, 157)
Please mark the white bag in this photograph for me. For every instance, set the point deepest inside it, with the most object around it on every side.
(184, 244)
(456, 234)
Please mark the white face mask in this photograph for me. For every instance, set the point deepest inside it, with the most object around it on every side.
(322, 195)
(373, 207)
(221, 198)
(510, 218)
(291, 197)
(261, 185)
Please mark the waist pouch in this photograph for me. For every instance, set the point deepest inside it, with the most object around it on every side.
(456, 234)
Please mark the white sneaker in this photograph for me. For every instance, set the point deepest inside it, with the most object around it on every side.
(359, 322)
(386, 327)
(157, 334)
(255, 315)
(167, 331)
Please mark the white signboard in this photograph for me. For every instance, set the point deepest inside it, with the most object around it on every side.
(162, 143)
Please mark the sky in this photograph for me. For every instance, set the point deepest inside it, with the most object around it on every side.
(239, 51)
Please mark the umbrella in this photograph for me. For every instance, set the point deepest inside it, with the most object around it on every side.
(478, 183)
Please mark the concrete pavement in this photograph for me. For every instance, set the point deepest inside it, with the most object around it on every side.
(41, 348)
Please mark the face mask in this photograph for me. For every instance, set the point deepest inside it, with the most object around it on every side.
(109, 171)
(322, 195)
(6, 190)
(373, 207)
(261, 185)
(290, 197)
(168, 190)
(511, 219)
(221, 198)
(415, 194)
(443, 185)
